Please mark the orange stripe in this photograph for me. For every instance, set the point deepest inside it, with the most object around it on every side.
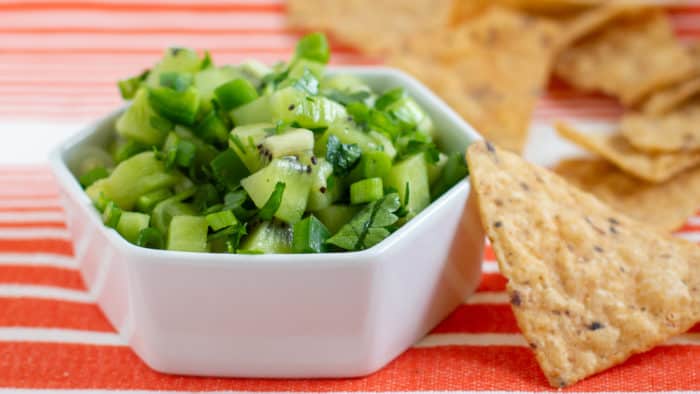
(117, 7)
(479, 319)
(56, 208)
(58, 246)
(492, 282)
(43, 276)
(281, 30)
(58, 224)
(31, 312)
(45, 365)
(145, 51)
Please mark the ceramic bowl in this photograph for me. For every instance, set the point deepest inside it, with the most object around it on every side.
(293, 316)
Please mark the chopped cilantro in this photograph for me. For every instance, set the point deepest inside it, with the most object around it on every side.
(343, 157)
(369, 226)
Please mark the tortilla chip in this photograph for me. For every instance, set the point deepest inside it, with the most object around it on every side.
(675, 131)
(371, 25)
(664, 206)
(589, 287)
(491, 70)
(591, 21)
(652, 167)
(463, 10)
(628, 59)
(666, 100)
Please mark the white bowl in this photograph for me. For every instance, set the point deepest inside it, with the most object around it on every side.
(307, 315)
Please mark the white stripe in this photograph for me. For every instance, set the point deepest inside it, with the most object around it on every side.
(693, 236)
(694, 220)
(45, 292)
(36, 177)
(435, 340)
(55, 335)
(488, 297)
(27, 334)
(38, 259)
(489, 267)
(22, 217)
(34, 233)
(35, 202)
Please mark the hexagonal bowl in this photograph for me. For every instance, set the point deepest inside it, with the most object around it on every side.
(294, 316)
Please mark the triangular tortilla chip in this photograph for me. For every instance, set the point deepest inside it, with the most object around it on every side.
(371, 25)
(589, 287)
(675, 131)
(653, 167)
(672, 97)
(629, 58)
(665, 206)
(491, 70)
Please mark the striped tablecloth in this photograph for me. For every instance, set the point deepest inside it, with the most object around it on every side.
(58, 63)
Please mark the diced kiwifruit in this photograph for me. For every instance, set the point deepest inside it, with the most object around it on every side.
(288, 143)
(183, 60)
(321, 195)
(435, 169)
(384, 143)
(297, 179)
(141, 123)
(268, 237)
(347, 133)
(410, 178)
(245, 140)
(337, 215)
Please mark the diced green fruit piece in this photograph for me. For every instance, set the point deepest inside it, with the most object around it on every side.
(314, 47)
(165, 210)
(299, 66)
(244, 141)
(229, 169)
(366, 190)
(138, 175)
(150, 237)
(93, 176)
(174, 60)
(310, 236)
(297, 179)
(178, 107)
(290, 105)
(290, 142)
(345, 83)
(141, 123)
(268, 237)
(254, 70)
(221, 219)
(131, 224)
(212, 129)
(176, 80)
(336, 216)
(321, 195)
(372, 164)
(188, 234)
(383, 143)
(347, 133)
(126, 148)
(454, 171)
(146, 202)
(413, 172)
(234, 94)
(128, 87)
(435, 169)
(211, 78)
(111, 214)
(408, 111)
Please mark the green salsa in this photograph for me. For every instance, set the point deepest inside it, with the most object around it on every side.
(256, 159)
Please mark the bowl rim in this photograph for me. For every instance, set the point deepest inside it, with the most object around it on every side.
(70, 185)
